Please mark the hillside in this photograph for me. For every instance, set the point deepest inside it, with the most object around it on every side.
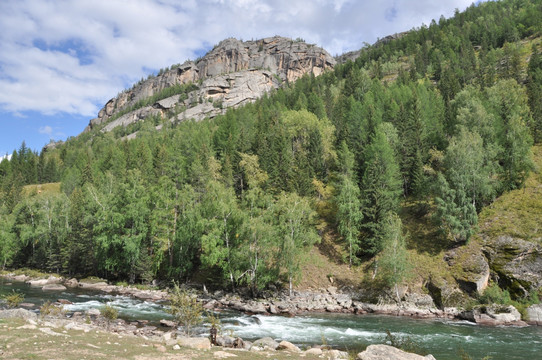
(410, 169)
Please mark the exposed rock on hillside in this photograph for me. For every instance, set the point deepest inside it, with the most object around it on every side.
(516, 262)
(230, 75)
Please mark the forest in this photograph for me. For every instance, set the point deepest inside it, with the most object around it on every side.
(445, 115)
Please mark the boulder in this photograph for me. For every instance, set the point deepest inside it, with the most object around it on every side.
(54, 287)
(18, 313)
(93, 312)
(225, 341)
(168, 323)
(386, 352)
(94, 286)
(493, 315)
(38, 282)
(313, 351)
(71, 282)
(64, 302)
(534, 315)
(288, 346)
(199, 343)
(263, 344)
(336, 355)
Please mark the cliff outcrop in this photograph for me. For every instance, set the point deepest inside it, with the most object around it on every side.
(230, 75)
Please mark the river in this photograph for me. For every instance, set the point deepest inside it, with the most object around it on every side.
(442, 338)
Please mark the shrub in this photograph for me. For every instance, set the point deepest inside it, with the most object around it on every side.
(49, 308)
(185, 309)
(14, 299)
(110, 314)
(493, 294)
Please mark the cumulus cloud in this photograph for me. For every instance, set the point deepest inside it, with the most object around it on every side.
(72, 56)
(46, 130)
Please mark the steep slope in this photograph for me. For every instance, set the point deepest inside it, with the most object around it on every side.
(230, 75)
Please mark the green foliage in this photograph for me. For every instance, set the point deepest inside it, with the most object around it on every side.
(50, 309)
(493, 294)
(393, 263)
(381, 190)
(185, 309)
(349, 215)
(444, 115)
(13, 299)
(109, 312)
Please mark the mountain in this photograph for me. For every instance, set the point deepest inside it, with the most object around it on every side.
(409, 167)
(232, 74)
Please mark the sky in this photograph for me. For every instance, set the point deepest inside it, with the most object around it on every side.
(62, 60)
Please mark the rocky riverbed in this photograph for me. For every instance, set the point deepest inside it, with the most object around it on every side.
(331, 300)
(162, 342)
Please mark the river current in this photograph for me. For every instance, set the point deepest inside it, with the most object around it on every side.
(442, 338)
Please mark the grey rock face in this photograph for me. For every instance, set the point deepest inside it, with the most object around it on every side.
(230, 75)
(516, 262)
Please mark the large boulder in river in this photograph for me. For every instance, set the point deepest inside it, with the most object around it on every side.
(494, 315)
(386, 352)
(54, 287)
(534, 315)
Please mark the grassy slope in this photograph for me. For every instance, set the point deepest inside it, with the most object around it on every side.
(519, 212)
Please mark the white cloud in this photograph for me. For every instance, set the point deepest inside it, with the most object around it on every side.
(46, 130)
(72, 56)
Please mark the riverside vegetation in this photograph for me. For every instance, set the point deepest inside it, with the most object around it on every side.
(384, 165)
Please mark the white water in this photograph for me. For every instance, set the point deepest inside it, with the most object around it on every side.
(442, 338)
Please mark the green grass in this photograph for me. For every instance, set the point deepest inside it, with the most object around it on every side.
(518, 212)
(42, 189)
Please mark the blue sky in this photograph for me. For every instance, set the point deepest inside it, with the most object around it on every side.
(61, 60)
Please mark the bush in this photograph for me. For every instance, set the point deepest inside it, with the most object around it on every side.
(185, 309)
(110, 314)
(14, 299)
(493, 294)
(49, 308)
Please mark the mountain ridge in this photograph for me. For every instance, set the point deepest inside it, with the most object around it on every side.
(231, 74)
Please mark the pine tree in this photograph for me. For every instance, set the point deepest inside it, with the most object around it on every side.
(349, 215)
(381, 189)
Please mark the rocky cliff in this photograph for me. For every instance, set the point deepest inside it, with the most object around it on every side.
(230, 75)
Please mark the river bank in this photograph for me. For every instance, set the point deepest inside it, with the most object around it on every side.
(343, 331)
(329, 300)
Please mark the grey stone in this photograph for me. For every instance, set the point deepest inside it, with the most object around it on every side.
(198, 343)
(265, 343)
(54, 287)
(18, 313)
(386, 352)
(534, 315)
(288, 346)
